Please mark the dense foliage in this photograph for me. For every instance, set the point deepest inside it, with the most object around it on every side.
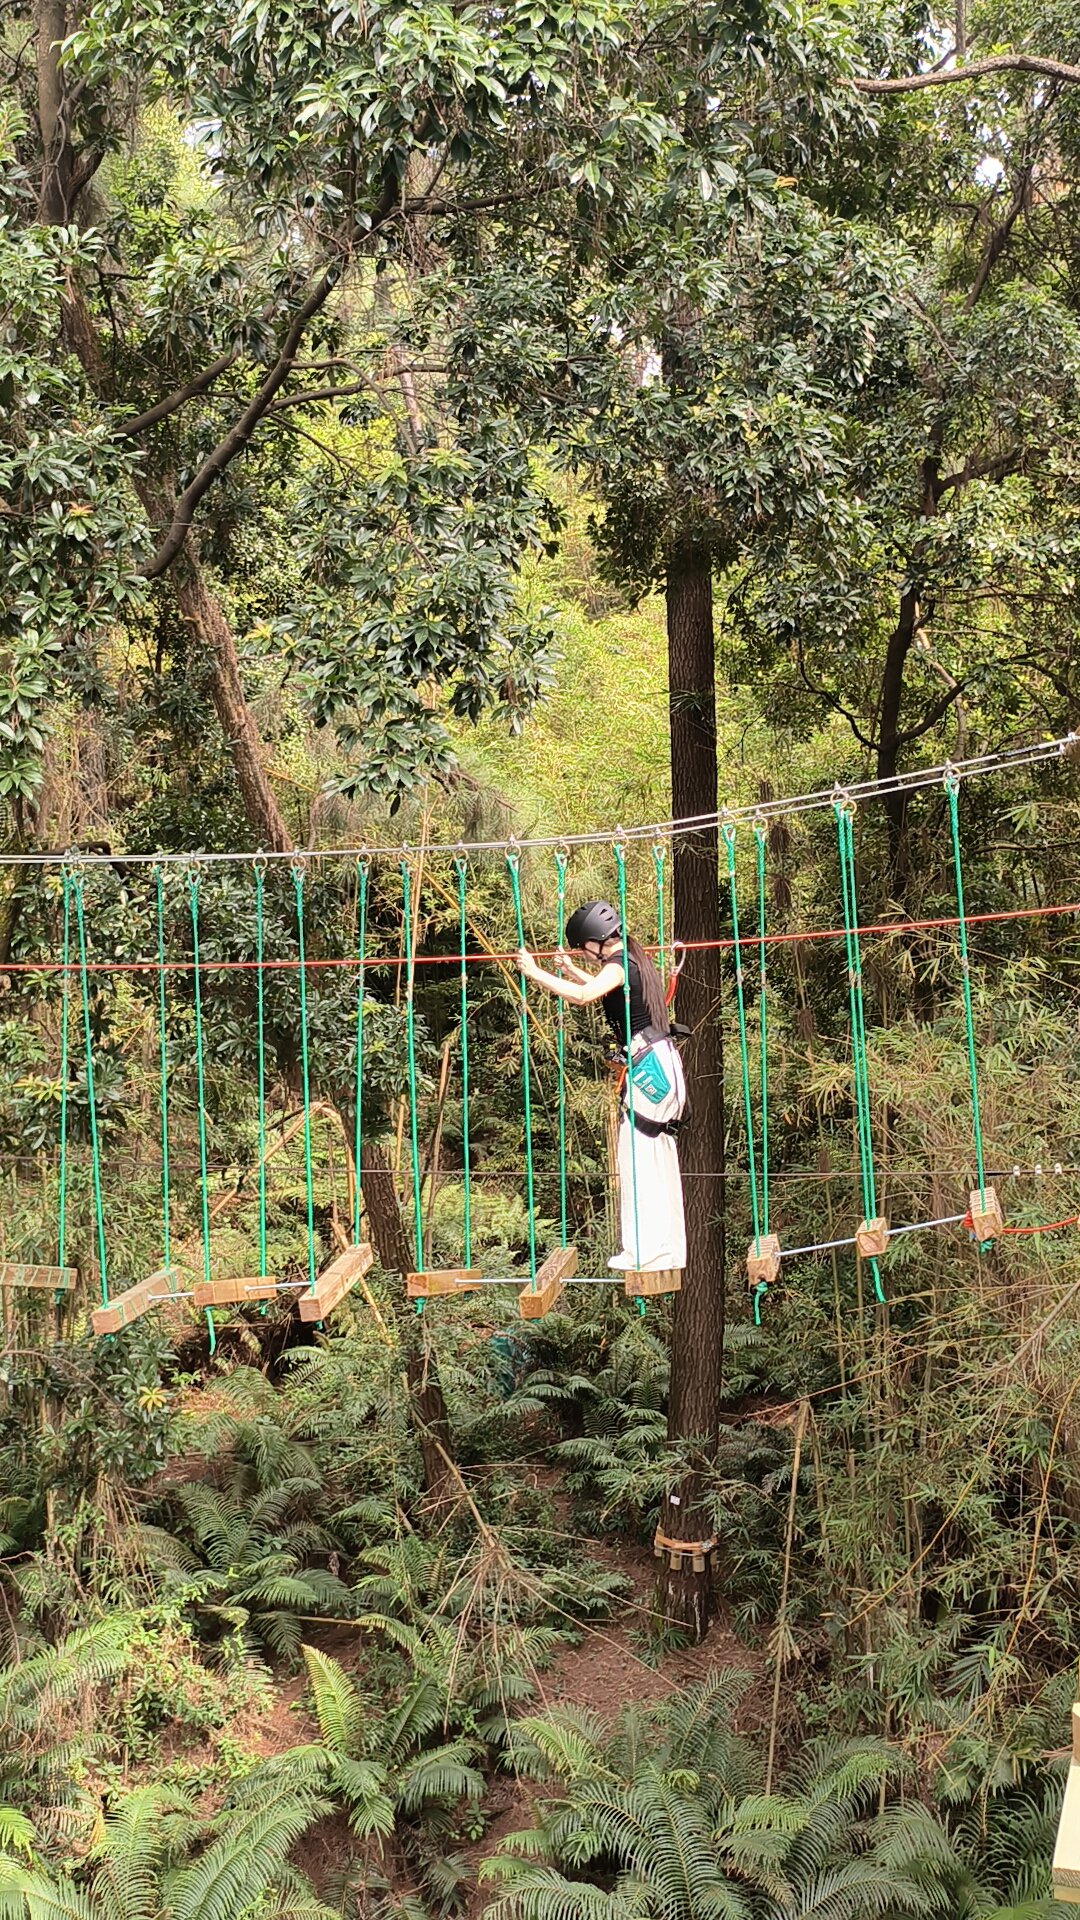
(371, 379)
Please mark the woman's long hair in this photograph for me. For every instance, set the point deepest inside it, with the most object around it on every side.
(652, 987)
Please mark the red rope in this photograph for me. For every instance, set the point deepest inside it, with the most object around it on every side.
(808, 934)
(1048, 1226)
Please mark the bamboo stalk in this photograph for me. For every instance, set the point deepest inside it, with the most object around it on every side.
(781, 1620)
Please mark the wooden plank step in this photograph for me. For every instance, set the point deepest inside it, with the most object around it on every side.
(233, 1293)
(1065, 1871)
(649, 1285)
(439, 1280)
(334, 1282)
(551, 1278)
(54, 1278)
(136, 1301)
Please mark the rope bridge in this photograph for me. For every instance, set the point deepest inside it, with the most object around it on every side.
(551, 1270)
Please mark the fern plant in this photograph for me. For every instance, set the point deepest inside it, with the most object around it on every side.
(243, 1562)
(401, 1769)
(155, 1859)
(660, 1818)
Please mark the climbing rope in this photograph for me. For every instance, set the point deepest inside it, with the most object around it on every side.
(65, 1023)
(163, 1078)
(952, 788)
(620, 864)
(562, 860)
(844, 810)
(200, 1084)
(363, 874)
(461, 869)
(410, 1039)
(95, 1145)
(514, 869)
(305, 1070)
(728, 832)
(260, 1053)
(763, 1025)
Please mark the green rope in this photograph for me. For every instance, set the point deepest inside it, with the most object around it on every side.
(200, 1083)
(461, 867)
(514, 869)
(620, 863)
(561, 862)
(846, 845)
(95, 1145)
(163, 1078)
(363, 871)
(260, 1046)
(759, 836)
(952, 787)
(744, 1052)
(305, 1071)
(410, 1036)
(659, 854)
(65, 1023)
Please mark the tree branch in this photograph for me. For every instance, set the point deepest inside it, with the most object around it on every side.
(998, 240)
(321, 393)
(139, 423)
(907, 734)
(977, 70)
(997, 468)
(831, 701)
(240, 433)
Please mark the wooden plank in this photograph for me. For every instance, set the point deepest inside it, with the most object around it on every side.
(136, 1301)
(440, 1280)
(551, 1278)
(1065, 1870)
(334, 1282)
(53, 1278)
(232, 1293)
(649, 1285)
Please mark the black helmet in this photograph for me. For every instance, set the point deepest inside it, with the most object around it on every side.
(594, 921)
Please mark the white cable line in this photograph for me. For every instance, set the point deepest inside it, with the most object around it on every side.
(866, 790)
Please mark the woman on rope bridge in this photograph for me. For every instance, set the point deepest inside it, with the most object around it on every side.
(650, 1184)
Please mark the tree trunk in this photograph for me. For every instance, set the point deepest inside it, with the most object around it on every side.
(426, 1403)
(698, 1338)
(204, 618)
(895, 805)
(50, 28)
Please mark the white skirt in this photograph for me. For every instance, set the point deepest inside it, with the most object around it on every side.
(653, 1227)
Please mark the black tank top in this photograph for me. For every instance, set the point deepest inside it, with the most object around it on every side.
(614, 1005)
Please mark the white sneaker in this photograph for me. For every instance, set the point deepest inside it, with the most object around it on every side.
(622, 1263)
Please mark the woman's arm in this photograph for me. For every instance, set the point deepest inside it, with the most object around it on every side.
(580, 993)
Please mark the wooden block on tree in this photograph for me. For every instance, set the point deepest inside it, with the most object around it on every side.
(534, 1301)
(334, 1282)
(987, 1219)
(131, 1305)
(650, 1285)
(763, 1261)
(1065, 1870)
(428, 1286)
(51, 1278)
(871, 1238)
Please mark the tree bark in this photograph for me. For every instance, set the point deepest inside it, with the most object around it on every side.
(698, 1336)
(206, 622)
(50, 24)
(427, 1405)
